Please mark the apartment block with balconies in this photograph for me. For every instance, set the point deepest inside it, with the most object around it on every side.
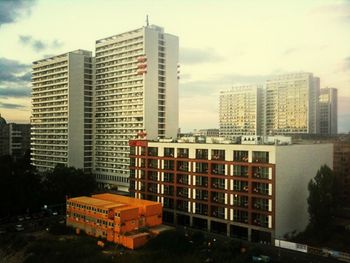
(136, 91)
(253, 192)
(61, 122)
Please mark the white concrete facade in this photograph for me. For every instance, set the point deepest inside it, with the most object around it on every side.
(241, 111)
(61, 131)
(292, 104)
(136, 90)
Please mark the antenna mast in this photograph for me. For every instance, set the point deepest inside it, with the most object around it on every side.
(147, 22)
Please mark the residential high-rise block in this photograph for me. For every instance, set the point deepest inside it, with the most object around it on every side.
(241, 111)
(136, 91)
(292, 104)
(61, 131)
(328, 103)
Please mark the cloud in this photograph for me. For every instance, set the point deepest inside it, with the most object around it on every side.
(220, 82)
(11, 9)
(15, 92)
(11, 106)
(13, 71)
(38, 45)
(198, 56)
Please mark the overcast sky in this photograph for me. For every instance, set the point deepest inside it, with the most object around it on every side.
(222, 43)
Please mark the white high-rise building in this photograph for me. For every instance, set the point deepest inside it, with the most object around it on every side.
(136, 91)
(328, 111)
(61, 131)
(292, 104)
(241, 111)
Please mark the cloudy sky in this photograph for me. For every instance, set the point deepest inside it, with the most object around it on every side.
(222, 43)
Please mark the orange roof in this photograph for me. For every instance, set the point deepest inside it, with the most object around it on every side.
(124, 199)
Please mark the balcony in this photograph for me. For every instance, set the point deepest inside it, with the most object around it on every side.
(260, 220)
(182, 166)
(218, 155)
(218, 169)
(201, 209)
(182, 153)
(240, 201)
(240, 156)
(202, 195)
(152, 151)
(152, 176)
(182, 192)
(153, 164)
(218, 212)
(168, 190)
(169, 152)
(182, 179)
(169, 165)
(260, 157)
(218, 198)
(239, 170)
(218, 183)
(240, 186)
(168, 177)
(261, 172)
(202, 154)
(260, 188)
(182, 205)
(240, 216)
(201, 181)
(202, 168)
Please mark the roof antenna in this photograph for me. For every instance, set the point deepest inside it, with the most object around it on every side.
(147, 22)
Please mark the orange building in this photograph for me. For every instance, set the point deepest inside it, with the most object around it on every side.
(119, 219)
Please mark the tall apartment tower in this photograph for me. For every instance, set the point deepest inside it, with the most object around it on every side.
(292, 104)
(241, 111)
(136, 91)
(61, 131)
(328, 103)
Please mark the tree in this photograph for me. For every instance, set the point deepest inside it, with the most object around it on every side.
(67, 181)
(321, 199)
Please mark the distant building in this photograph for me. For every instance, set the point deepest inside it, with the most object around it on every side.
(116, 218)
(14, 138)
(62, 111)
(328, 104)
(207, 132)
(254, 192)
(292, 104)
(241, 111)
(136, 91)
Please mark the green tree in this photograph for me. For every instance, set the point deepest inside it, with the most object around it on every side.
(67, 181)
(321, 199)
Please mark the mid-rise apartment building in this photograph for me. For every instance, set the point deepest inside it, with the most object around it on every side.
(328, 105)
(61, 131)
(292, 104)
(241, 111)
(136, 91)
(254, 192)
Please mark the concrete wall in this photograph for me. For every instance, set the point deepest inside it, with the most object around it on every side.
(172, 85)
(76, 111)
(296, 165)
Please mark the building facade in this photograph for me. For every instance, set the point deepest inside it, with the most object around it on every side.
(136, 91)
(62, 91)
(292, 104)
(254, 192)
(114, 218)
(14, 139)
(241, 111)
(328, 105)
